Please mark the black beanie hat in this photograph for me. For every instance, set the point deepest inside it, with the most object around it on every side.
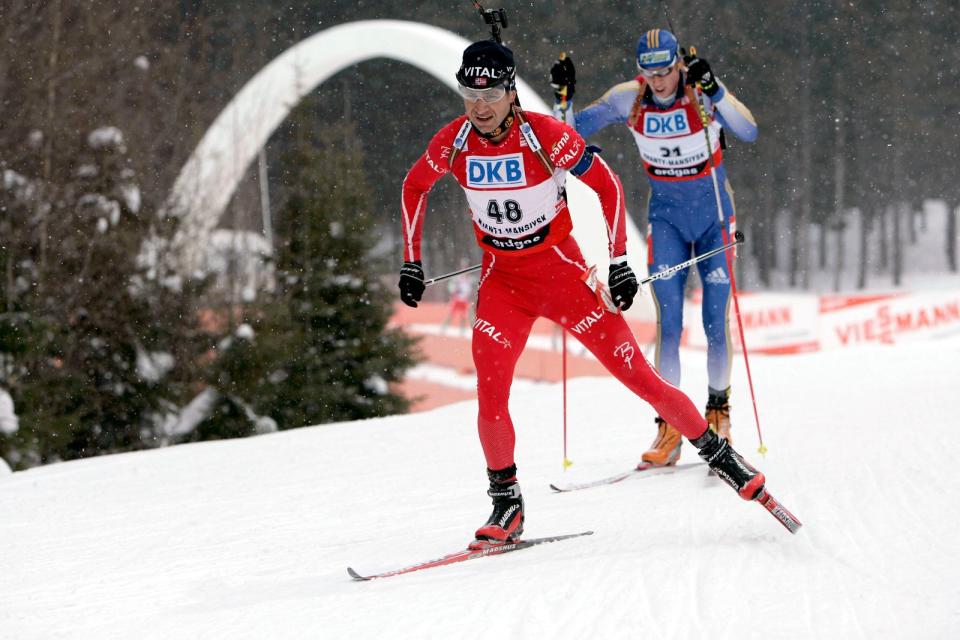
(487, 64)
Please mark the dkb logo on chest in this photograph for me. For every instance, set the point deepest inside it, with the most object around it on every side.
(665, 125)
(497, 172)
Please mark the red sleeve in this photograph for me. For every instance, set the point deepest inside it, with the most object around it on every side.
(569, 152)
(429, 168)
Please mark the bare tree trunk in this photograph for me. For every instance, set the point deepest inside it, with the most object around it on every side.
(841, 263)
(864, 249)
(8, 281)
(796, 223)
(765, 237)
(901, 211)
(52, 62)
(822, 245)
(799, 272)
(911, 219)
(798, 228)
(839, 185)
(803, 230)
(263, 178)
(952, 238)
(777, 248)
(900, 215)
(884, 240)
(16, 19)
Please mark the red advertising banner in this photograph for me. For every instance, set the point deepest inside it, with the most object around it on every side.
(777, 323)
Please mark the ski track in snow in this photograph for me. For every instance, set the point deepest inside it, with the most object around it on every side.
(251, 538)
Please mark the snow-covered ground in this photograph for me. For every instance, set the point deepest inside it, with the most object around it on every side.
(251, 538)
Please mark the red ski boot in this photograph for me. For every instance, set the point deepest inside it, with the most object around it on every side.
(730, 465)
(505, 523)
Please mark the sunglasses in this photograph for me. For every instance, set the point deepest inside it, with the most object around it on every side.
(657, 73)
(493, 94)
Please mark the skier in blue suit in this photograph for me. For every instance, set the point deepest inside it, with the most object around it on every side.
(660, 111)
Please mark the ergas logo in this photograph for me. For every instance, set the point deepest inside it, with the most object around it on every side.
(498, 172)
(665, 125)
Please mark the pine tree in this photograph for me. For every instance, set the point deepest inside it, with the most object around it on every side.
(321, 349)
(92, 339)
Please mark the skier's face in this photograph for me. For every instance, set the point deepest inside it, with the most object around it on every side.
(664, 85)
(487, 116)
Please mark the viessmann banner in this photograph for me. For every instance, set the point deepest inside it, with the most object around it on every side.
(792, 323)
(851, 321)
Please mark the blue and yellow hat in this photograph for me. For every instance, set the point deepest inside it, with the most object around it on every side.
(656, 49)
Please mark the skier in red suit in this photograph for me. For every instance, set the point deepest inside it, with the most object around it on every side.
(512, 167)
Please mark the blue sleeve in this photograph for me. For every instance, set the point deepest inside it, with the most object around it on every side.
(733, 115)
(586, 161)
(613, 107)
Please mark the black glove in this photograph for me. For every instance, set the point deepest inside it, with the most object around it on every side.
(623, 285)
(562, 74)
(411, 283)
(698, 70)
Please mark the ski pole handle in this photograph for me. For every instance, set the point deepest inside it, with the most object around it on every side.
(737, 239)
(452, 274)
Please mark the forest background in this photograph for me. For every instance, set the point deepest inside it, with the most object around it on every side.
(101, 103)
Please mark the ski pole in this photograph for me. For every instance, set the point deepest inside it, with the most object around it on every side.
(694, 97)
(566, 461)
(737, 239)
(452, 274)
(666, 12)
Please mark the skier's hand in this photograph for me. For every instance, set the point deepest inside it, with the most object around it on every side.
(563, 78)
(698, 70)
(623, 285)
(411, 283)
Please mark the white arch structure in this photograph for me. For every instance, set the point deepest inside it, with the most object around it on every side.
(211, 175)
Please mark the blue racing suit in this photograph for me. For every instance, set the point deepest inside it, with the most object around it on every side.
(682, 210)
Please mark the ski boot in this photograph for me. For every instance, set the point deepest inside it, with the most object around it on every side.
(718, 415)
(665, 450)
(505, 524)
(729, 465)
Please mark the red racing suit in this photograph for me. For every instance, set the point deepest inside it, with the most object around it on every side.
(532, 266)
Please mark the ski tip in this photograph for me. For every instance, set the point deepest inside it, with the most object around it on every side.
(355, 575)
(790, 523)
(778, 511)
(556, 488)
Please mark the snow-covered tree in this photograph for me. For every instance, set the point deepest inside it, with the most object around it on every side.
(89, 342)
(319, 349)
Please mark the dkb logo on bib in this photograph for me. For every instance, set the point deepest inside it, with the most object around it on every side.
(498, 172)
(665, 125)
